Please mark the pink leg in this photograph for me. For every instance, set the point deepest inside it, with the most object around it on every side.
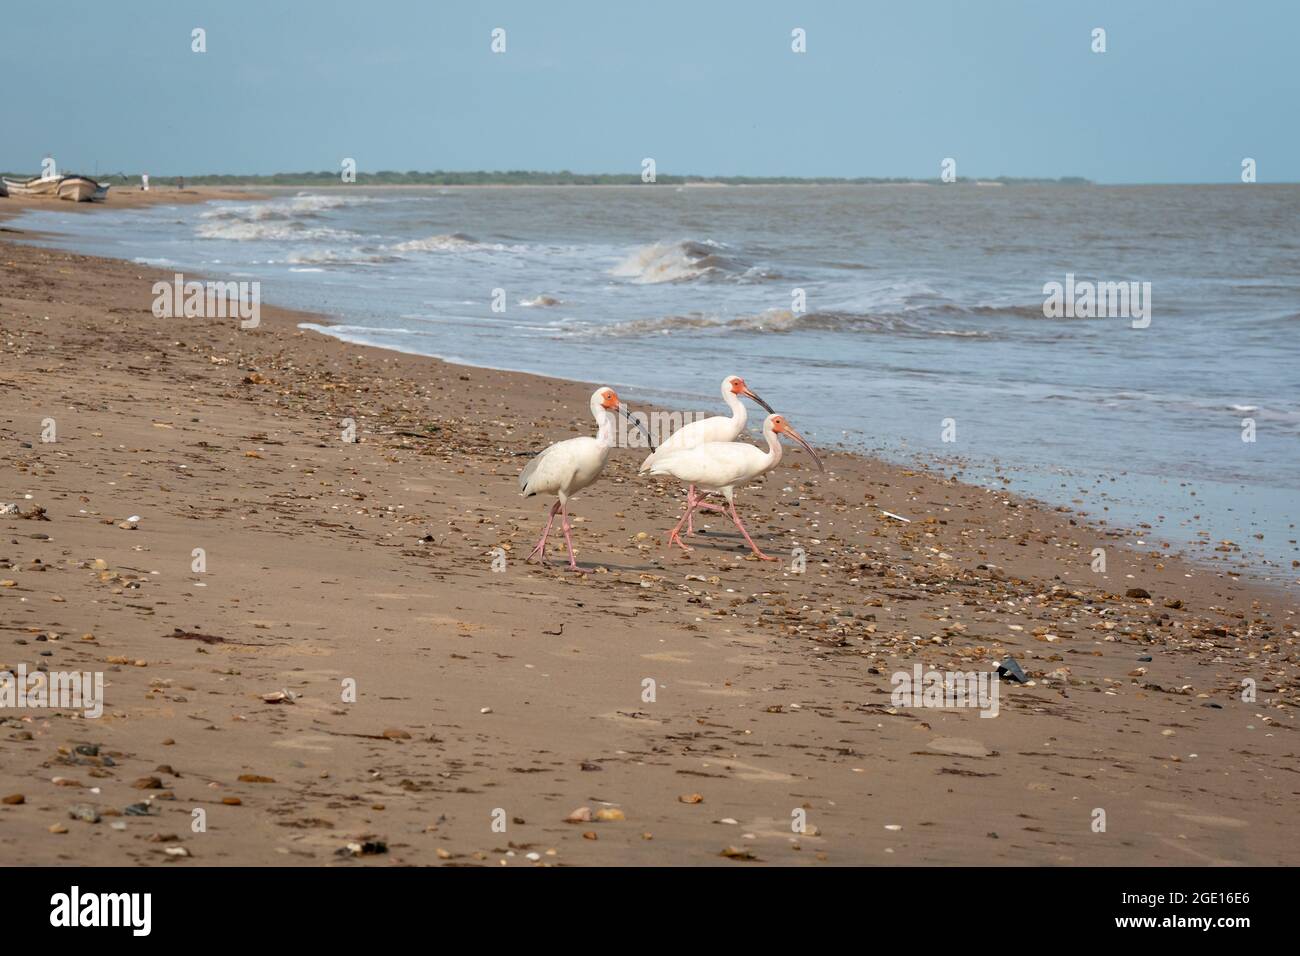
(675, 534)
(696, 503)
(736, 518)
(568, 538)
(540, 550)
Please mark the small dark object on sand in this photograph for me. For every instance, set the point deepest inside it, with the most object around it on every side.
(368, 848)
(193, 636)
(1009, 668)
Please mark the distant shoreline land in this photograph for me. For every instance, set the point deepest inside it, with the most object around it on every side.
(561, 178)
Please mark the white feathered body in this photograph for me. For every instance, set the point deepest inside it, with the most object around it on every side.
(716, 428)
(716, 466)
(565, 468)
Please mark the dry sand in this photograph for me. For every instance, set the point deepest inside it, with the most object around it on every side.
(517, 697)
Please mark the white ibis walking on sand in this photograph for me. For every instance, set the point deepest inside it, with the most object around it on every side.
(717, 428)
(721, 466)
(567, 467)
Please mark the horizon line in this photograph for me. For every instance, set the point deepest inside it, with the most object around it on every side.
(443, 177)
(566, 177)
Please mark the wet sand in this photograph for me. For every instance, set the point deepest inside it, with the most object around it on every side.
(488, 699)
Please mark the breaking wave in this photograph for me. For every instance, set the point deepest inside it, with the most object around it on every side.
(288, 219)
(302, 206)
(399, 251)
(771, 320)
(270, 231)
(685, 260)
(340, 257)
(452, 242)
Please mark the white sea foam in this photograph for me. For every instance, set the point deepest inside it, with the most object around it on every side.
(346, 256)
(302, 206)
(287, 231)
(682, 260)
(540, 301)
(390, 252)
(451, 242)
(276, 220)
(771, 320)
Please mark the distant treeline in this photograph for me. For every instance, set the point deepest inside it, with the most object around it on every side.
(523, 177)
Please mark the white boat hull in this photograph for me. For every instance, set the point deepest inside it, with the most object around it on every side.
(77, 189)
(33, 187)
(74, 188)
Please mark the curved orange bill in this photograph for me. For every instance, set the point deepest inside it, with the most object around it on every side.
(637, 422)
(807, 447)
(770, 410)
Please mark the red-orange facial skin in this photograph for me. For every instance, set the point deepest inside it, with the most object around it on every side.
(738, 386)
(611, 401)
(778, 424)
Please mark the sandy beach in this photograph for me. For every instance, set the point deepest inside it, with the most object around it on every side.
(491, 705)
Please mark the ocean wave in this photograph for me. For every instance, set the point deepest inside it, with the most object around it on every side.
(685, 260)
(451, 242)
(1034, 311)
(289, 219)
(1286, 420)
(781, 321)
(540, 301)
(302, 206)
(920, 297)
(341, 257)
(398, 251)
(914, 298)
(277, 231)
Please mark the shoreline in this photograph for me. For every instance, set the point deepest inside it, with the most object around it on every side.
(374, 561)
(1201, 548)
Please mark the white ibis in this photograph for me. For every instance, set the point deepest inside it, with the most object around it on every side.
(717, 428)
(720, 466)
(567, 467)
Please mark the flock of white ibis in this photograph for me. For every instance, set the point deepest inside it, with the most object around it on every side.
(705, 455)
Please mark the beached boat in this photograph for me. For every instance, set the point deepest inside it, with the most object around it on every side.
(36, 186)
(77, 188)
(74, 188)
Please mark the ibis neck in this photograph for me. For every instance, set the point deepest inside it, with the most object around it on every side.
(739, 414)
(773, 447)
(606, 432)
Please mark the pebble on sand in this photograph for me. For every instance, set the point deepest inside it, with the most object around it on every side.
(84, 812)
(737, 853)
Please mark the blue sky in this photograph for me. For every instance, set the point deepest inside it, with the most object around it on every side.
(1185, 90)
